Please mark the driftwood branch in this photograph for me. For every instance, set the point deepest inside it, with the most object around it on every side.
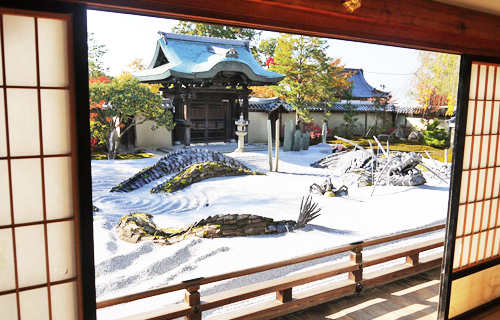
(380, 146)
(308, 211)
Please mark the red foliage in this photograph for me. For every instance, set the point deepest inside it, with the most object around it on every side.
(270, 61)
(389, 131)
(406, 129)
(93, 143)
(99, 105)
(102, 79)
(315, 130)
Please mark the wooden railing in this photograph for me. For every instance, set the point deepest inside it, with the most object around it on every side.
(285, 301)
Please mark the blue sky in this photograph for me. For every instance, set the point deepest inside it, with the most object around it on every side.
(129, 36)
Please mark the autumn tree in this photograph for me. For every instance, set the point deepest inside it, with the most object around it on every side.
(266, 50)
(138, 64)
(435, 83)
(312, 78)
(123, 103)
(380, 103)
(95, 53)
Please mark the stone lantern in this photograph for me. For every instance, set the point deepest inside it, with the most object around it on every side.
(241, 132)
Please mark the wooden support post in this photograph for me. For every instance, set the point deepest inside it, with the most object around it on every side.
(284, 295)
(187, 119)
(412, 260)
(245, 109)
(192, 298)
(356, 257)
(277, 151)
(270, 145)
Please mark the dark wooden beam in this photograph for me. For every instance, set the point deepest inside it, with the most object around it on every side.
(420, 24)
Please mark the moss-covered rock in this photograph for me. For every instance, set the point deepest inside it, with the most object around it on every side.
(199, 172)
(173, 162)
(136, 227)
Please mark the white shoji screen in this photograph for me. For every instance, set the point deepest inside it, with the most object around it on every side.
(478, 225)
(38, 276)
(478, 234)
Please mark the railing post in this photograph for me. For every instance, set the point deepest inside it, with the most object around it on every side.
(412, 259)
(356, 257)
(284, 295)
(192, 298)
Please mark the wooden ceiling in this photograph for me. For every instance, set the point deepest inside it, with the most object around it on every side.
(420, 24)
(487, 6)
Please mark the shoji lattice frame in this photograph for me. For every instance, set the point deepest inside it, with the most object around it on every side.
(472, 254)
(78, 228)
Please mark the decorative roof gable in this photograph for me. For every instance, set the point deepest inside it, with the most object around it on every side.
(195, 58)
(268, 105)
(361, 89)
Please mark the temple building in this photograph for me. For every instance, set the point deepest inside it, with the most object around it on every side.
(361, 100)
(364, 109)
(206, 83)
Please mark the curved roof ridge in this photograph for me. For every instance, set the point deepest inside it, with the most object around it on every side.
(211, 40)
(362, 77)
(193, 58)
(361, 87)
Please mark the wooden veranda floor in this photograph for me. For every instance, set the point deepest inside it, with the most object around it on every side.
(412, 298)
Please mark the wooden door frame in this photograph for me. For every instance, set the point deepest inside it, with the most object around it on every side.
(416, 24)
(222, 105)
(447, 274)
(84, 217)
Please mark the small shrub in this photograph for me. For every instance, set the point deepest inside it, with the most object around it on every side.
(436, 137)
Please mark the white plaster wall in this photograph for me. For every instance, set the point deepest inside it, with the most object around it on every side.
(337, 119)
(257, 129)
(400, 119)
(290, 115)
(147, 138)
(417, 123)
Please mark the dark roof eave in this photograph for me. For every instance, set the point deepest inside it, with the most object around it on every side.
(232, 66)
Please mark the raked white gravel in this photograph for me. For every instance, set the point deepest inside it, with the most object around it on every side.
(123, 268)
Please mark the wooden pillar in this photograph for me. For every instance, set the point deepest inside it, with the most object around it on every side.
(192, 298)
(284, 295)
(229, 118)
(356, 257)
(245, 108)
(412, 259)
(186, 99)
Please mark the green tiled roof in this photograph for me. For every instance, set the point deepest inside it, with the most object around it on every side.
(195, 58)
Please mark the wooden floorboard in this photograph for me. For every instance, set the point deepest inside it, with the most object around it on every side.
(412, 298)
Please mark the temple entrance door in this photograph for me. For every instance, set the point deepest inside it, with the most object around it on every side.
(208, 121)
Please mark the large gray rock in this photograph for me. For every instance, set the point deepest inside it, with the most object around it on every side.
(324, 132)
(384, 137)
(414, 136)
(297, 140)
(399, 132)
(306, 139)
(288, 138)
